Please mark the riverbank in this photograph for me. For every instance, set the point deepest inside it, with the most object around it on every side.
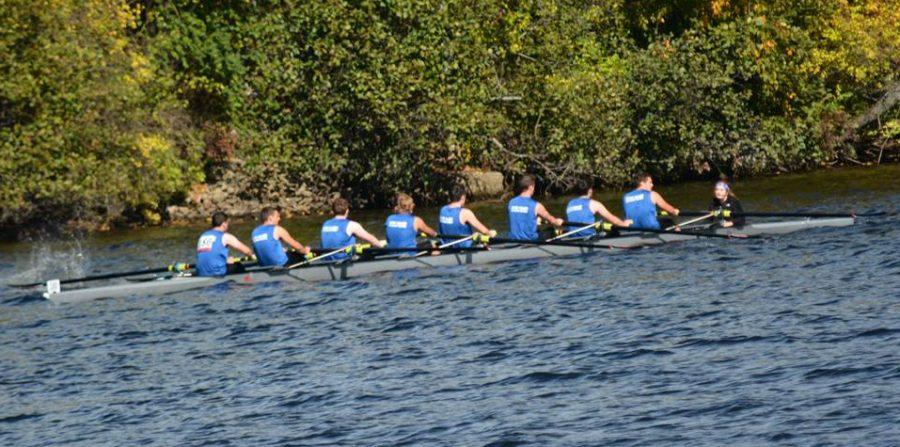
(805, 190)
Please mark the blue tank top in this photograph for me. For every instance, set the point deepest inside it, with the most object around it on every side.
(639, 207)
(448, 223)
(269, 250)
(522, 218)
(400, 231)
(212, 254)
(334, 236)
(579, 210)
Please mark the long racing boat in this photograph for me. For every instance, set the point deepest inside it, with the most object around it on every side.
(355, 268)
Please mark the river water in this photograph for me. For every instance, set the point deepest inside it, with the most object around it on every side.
(789, 340)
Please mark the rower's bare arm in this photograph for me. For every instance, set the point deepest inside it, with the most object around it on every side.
(467, 217)
(423, 227)
(660, 202)
(359, 232)
(543, 214)
(283, 235)
(230, 241)
(598, 208)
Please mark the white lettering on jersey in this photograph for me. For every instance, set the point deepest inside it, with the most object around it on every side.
(330, 229)
(261, 237)
(397, 224)
(634, 198)
(518, 209)
(446, 220)
(574, 208)
(205, 243)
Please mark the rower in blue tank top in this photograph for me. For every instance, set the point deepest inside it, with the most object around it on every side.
(402, 227)
(640, 204)
(582, 209)
(341, 232)
(267, 239)
(455, 220)
(212, 249)
(523, 212)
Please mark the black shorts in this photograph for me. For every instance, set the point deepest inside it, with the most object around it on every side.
(294, 257)
(235, 268)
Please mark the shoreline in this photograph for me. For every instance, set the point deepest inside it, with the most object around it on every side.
(17, 234)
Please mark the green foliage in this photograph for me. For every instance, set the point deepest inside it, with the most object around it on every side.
(87, 127)
(108, 108)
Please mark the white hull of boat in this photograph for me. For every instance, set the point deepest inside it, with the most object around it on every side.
(325, 272)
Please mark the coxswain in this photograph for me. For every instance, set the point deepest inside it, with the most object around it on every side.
(340, 231)
(456, 220)
(724, 199)
(268, 237)
(523, 212)
(582, 209)
(640, 204)
(402, 227)
(212, 249)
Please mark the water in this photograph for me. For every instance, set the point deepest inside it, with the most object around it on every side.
(788, 340)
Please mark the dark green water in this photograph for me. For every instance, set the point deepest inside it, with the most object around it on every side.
(853, 186)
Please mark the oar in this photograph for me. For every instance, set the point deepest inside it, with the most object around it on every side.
(177, 267)
(448, 244)
(316, 258)
(703, 217)
(595, 225)
(486, 239)
(692, 233)
(728, 213)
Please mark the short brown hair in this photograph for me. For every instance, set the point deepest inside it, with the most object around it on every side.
(218, 218)
(267, 212)
(340, 205)
(525, 182)
(640, 177)
(457, 192)
(584, 185)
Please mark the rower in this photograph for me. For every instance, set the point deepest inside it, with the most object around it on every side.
(459, 221)
(339, 231)
(268, 237)
(640, 204)
(402, 227)
(724, 199)
(584, 208)
(523, 212)
(212, 249)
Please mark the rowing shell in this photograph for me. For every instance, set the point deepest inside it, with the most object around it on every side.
(345, 270)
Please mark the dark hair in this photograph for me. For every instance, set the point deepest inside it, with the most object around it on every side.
(457, 192)
(640, 177)
(525, 182)
(218, 218)
(340, 205)
(583, 186)
(266, 213)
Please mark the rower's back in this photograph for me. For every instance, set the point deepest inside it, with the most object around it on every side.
(522, 215)
(640, 209)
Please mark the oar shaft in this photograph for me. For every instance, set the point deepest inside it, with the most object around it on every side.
(325, 255)
(448, 244)
(568, 233)
(703, 217)
(110, 275)
(764, 214)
